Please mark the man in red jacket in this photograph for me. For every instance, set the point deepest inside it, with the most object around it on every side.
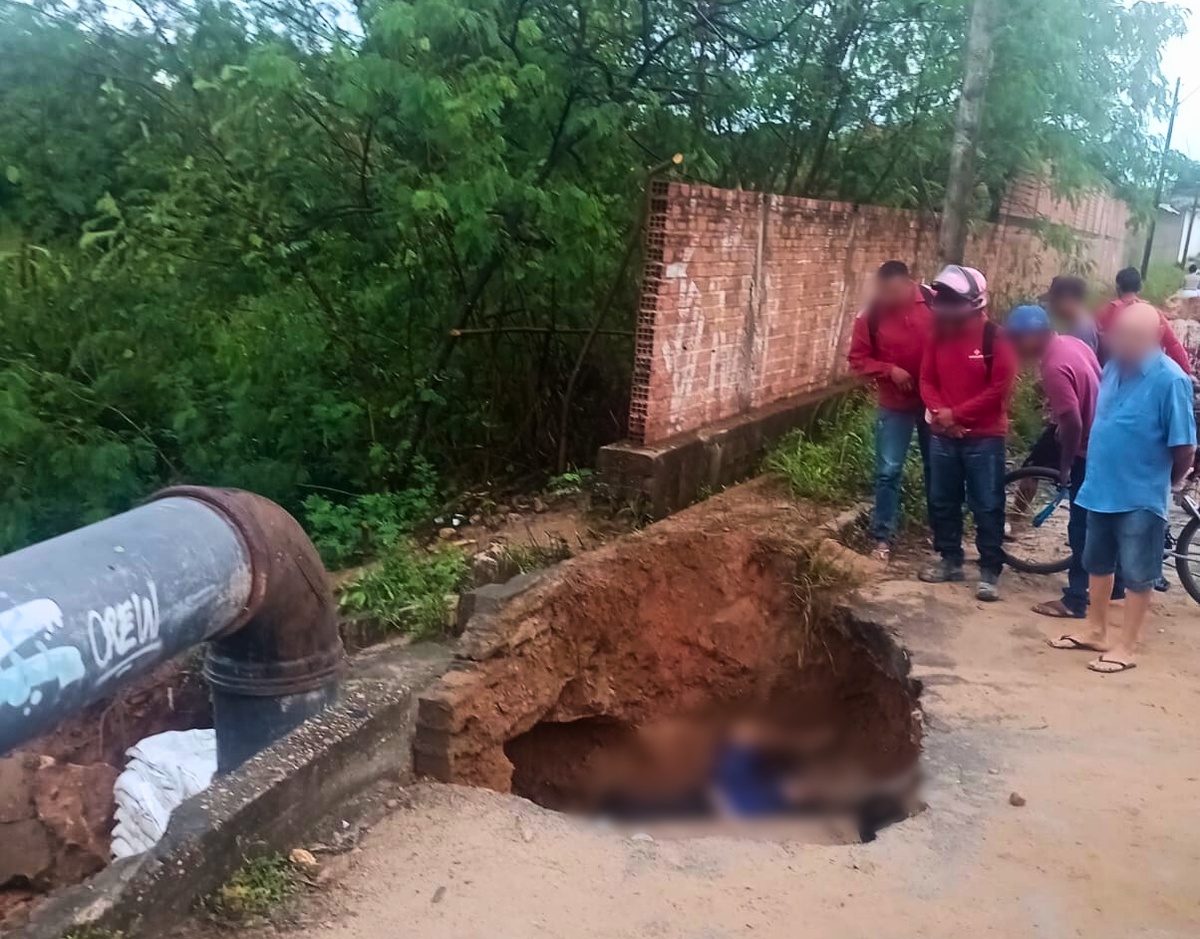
(886, 348)
(967, 378)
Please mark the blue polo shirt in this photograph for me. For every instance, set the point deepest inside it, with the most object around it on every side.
(1139, 417)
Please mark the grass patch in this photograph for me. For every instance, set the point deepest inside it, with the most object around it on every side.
(1161, 283)
(408, 589)
(834, 461)
(536, 556)
(256, 888)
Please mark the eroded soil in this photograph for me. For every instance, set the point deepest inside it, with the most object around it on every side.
(56, 792)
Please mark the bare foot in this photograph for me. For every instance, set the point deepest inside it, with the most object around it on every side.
(882, 552)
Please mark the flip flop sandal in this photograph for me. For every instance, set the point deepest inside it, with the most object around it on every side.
(1121, 666)
(1071, 644)
(882, 552)
(1055, 610)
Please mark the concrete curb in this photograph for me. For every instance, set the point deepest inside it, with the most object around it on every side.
(268, 804)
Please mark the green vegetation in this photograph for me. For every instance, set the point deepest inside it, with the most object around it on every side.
(332, 253)
(535, 555)
(573, 480)
(365, 526)
(256, 888)
(408, 589)
(1026, 414)
(834, 461)
(93, 932)
(1161, 283)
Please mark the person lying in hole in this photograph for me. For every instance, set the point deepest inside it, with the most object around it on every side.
(763, 770)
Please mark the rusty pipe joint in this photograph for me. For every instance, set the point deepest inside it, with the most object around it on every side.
(280, 661)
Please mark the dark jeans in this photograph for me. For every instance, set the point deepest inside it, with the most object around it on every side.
(972, 468)
(1075, 594)
(893, 437)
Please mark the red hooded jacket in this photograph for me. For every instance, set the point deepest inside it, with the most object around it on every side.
(900, 337)
(954, 375)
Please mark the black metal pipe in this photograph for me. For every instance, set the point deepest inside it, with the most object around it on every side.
(87, 611)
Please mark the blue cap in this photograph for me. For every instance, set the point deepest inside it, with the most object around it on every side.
(1027, 319)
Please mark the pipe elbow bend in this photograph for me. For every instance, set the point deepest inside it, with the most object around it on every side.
(286, 640)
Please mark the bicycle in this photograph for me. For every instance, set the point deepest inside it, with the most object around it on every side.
(1037, 509)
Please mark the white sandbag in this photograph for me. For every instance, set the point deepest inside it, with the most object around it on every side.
(162, 771)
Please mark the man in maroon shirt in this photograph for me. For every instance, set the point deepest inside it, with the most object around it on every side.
(1070, 378)
(886, 348)
(967, 377)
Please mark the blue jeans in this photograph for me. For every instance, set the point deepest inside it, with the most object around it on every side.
(893, 437)
(1131, 540)
(971, 468)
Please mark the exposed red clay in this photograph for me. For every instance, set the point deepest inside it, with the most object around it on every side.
(661, 636)
(56, 792)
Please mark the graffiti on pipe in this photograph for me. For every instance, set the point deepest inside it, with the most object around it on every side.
(124, 632)
(22, 676)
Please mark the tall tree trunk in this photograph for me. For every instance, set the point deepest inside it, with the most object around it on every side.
(952, 239)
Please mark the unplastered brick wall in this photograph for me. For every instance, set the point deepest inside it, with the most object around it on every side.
(749, 298)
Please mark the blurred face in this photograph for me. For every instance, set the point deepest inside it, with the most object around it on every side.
(1066, 308)
(1031, 346)
(893, 291)
(1136, 333)
(949, 325)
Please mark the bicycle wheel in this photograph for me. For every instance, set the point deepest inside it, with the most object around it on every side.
(1187, 558)
(1036, 515)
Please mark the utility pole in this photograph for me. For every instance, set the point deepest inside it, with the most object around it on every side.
(1162, 179)
(1187, 241)
(952, 237)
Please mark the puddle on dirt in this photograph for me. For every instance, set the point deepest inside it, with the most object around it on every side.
(694, 679)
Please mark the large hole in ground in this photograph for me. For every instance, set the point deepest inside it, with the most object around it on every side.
(689, 675)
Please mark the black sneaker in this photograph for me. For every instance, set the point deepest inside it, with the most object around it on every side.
(943, 572)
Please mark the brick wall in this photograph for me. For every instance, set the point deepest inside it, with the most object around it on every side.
(748, 298)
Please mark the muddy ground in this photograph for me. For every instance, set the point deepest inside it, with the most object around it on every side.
(56, 792)
(1105, 842)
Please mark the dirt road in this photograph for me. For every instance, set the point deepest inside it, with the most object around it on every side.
(1107, 844)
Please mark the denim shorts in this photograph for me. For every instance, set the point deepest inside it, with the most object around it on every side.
(1134, 539)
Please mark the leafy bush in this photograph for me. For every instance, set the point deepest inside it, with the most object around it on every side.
(1026, 415)
(368, 525)
(572, 481)
(834, 461)
(269, 246)
(408, 589)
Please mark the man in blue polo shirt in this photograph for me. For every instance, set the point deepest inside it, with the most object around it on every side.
(1142, 445)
